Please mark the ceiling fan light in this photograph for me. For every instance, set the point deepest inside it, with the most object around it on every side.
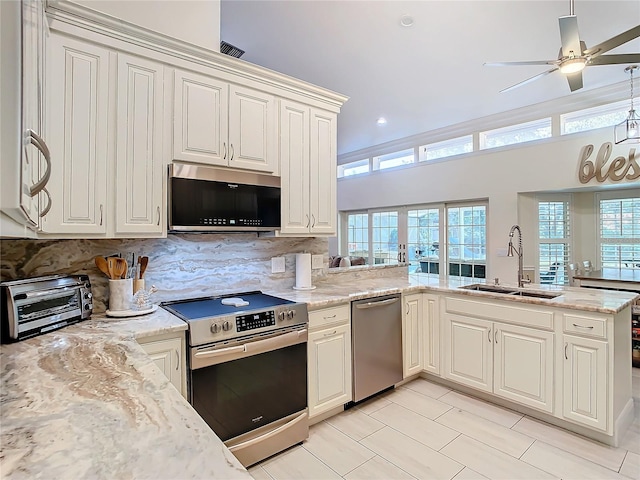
(629, 129)
(573, 65)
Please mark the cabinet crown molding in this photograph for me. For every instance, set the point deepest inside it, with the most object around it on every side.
(64, 12)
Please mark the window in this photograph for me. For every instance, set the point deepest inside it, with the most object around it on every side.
(592, 118)
(446, 148)
(377, 235)
(391, 160)
(467, 240)
(553, 241)
(423, 240)
(619, 232)
(385, 237)
(358, 235)
(523, 132)
(353, 168)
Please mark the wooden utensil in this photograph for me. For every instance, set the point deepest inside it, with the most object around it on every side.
(101, 263)
(120, 268)
(142, 262)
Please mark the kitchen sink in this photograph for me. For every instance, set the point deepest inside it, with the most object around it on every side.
(481, 287)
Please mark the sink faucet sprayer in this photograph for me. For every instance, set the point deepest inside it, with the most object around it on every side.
(512, 249)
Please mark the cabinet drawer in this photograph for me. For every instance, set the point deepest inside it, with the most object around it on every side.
(326, 316)
(587, 326)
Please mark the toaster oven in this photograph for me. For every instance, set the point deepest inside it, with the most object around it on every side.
(37, 305)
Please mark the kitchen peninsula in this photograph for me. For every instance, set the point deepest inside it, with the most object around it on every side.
(87, 401)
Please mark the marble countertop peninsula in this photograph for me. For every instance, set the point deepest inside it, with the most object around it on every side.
(330, 292)
(86, 401)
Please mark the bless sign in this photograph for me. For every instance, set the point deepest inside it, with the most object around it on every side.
(620, 169)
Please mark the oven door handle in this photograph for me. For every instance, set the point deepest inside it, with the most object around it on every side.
(220, 352)
(213, 357)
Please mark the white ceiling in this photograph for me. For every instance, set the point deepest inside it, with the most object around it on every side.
(430, 75)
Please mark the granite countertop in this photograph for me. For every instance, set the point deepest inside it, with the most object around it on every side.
(86, 401)
(612, 275)
(328, 293)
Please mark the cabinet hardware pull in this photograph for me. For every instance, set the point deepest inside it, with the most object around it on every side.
(582, 326)
(329, 334)
(101, 214)
(48, 207)
(313, 223)
(332, 316)
(399, 257)
(224, 150)
(232, 152)
(495, 336)
(177, 359)
(408, 308)
(565, 351)
(489, 335)
(41, 145)
(404, 257)
(158, 223)
(308, 220)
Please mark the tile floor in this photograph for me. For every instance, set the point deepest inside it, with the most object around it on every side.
(426, 431)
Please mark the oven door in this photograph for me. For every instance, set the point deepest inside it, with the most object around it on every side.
(241, 386)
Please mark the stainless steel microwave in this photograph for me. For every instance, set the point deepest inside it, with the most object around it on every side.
(210, 199)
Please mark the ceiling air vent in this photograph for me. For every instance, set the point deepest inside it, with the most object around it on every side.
(230, 50)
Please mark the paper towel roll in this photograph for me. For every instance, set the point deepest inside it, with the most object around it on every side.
(303, 272)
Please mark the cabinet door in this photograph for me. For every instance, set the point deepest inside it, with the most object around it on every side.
(168, 356)
(200, 107)
(431, 335)
(253, 134)
(523, 359)
(329, 363)
(324, 213)
(585, 381)
(468, 344)
(412, 335)
(294, 167)
(78, 134)
(139, 163)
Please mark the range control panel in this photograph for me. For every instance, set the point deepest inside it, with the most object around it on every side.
(255, 320)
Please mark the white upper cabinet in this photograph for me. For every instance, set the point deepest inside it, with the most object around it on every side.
(200, 118)
(139, 163)
(78, 126)
(218, 123)
(308, 170)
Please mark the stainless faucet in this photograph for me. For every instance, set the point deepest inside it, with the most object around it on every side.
(512, 249)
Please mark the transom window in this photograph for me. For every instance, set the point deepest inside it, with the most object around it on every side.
(523, 132)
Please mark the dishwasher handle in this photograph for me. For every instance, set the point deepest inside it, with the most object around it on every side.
(379, 303)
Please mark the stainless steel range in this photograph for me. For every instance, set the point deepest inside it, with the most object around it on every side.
(248, 370)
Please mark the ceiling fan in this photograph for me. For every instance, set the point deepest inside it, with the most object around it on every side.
(574, 55)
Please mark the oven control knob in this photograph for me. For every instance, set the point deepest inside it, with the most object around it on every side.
(291, 314)
(88, 295)
(226, 326)
(282, 315)
(215, 328)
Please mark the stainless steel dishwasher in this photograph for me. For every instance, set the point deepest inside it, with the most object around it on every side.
(376, 336)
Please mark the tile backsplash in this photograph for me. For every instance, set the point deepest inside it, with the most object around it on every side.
(180, 266)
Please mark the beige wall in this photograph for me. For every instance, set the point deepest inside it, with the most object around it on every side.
(497, 175)
(193, 21)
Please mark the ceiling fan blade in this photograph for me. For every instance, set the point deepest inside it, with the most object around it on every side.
(615, 59)
(535, 77)
(532, 62)
(575, 81)
(613, 42)
(570, 36)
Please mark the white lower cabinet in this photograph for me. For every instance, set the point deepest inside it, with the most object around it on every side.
(168, 353)
(431, 333)
(412, 335)
(510, 361)
(585, 381)
(329, 359)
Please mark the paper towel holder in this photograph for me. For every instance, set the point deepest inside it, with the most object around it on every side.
(303, 272)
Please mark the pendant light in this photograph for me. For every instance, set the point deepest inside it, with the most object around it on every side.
(629, 129)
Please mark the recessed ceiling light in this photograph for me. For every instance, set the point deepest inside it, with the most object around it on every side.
(406, 20)
(382, 121)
